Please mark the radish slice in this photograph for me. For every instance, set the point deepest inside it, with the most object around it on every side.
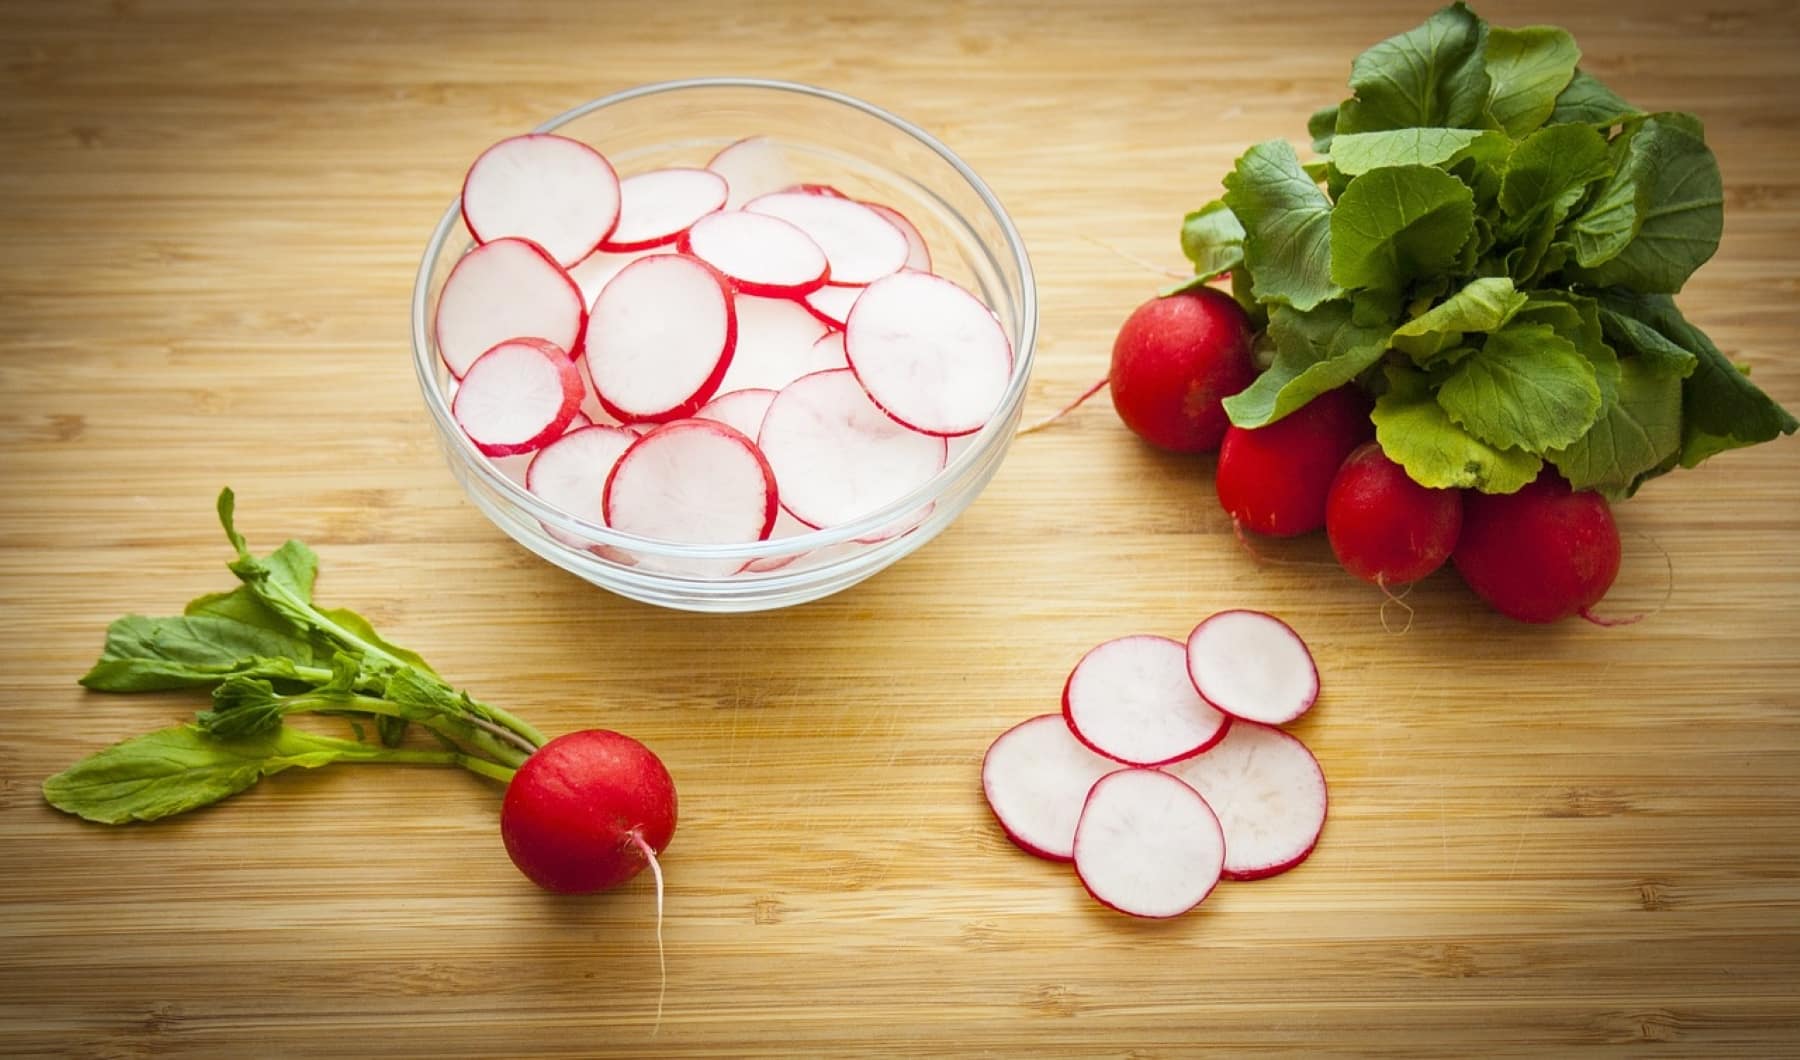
(775, 345)
(858, 243)
(1252, 666)
(657, 207)
(517, 397)
(752, 166)
(829, 353)
(929, 353)
(1036, 777)
(1269, 794)
(660, 339)
(816, 189)
(559, 193)
(694, 482)
(762, 255)
(1130, 699)
(1147, 844)
(785, 526)
(595, 271)
(741, 410)
(836, 456)
(570, 473)
(581, 419)
(506, 289)
(918, 255)
(832, 304)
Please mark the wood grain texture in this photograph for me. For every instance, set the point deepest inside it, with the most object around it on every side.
(1540, 838)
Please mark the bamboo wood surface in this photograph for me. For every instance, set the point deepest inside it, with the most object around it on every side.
(1541, 838)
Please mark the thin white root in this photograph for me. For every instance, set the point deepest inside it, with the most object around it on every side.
(1139, 262)
(1668, 592)
(1399, 600)
(1065, 410)
(662, 967)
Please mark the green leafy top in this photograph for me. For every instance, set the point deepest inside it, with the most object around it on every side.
(1488, 246)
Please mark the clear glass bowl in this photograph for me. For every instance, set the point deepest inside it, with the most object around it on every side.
(828, 138)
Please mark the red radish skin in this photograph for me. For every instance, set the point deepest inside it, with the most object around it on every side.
(506, 289)
(1036, 777)
(1541, 554)
(1252, 666)
(1384, 527)
(1175, 359)
(1269, 794)
(1276, 479)
(577, 810)
(1131, 700)
(559, 193)
(816, 189)
(657, 207)
(517, 397)
(661, 338)
(832, 305)
(1148, 845)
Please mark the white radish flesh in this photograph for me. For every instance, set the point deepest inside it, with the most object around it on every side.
(655, 208)
(836, 455)
(785, 526)
(760, 254)
(828, 352)
(692, 482)
(1147, 844)
(832, 304)
(571, 472)
(559, 193)
(1269, 794)
(1253, 666)
(741, 410)
(506, 289)
(517, 397)
(1036, 777)
(593, 272)
(1130, 699)
(752, 166)
(918, 255)
(776, 340)
(660, 339)
(929, 353)
(859, 243)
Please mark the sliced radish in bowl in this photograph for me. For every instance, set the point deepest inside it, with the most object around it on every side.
(1130, 699)
(559, 193)
(1036, 777)
(776, 344)
(860, 245)
(692, 482)
(1147, 844)
(760, 254)
(832, 305)
(929, 353)
(753, 166)
(507, 289)
(571, 472)
(1269, 794)
(517, 397)
(660, 338)
(918, 255)
(1253, 666)
(655, 208)
(741, 410)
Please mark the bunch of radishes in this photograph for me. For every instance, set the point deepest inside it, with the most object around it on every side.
(705, 356)
(1540, 554)
(1165, 771)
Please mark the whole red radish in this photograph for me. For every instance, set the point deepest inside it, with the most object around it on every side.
(586, 811)
(1275, 479)
(1175, 359)
(1384, 527)
(1541, 554)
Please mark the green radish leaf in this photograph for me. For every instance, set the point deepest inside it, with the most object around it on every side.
(1431, 75)
(1634, 436)
(1213, 240)
(1416, 433)
(1356, 153)
(1526, 388)
(1287, 226)
(1527, 69)
(1315, 351)
(1577, 318)
(1321, 127)
(1549, 172)
(1588, 102)
(1651, 345)
(1658, 218)
(1396, 224)
(151, 654)
(1483, 305)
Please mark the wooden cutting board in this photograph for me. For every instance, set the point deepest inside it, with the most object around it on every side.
(1541, 838)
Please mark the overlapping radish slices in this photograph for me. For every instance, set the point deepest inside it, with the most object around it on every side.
(1164, 772)
(710, 355)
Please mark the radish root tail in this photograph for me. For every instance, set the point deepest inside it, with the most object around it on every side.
(1668, 592)
(1247, 542)
(1398, 600)
(1139, 262)
(1031, 428)
(662, 967)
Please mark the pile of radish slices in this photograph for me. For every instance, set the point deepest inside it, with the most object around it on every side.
(1165, 771)
(705, 356)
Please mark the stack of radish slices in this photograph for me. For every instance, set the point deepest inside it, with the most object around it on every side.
(706, 356)
(1165, 771)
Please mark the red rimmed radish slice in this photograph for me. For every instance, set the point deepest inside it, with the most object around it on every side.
(918, 255)
(506, 289)
(752, 166)
(760, 254)
(1036, 777)
(660, 338)
(1269, 794)
(517, 397)
(929, 353)
(1147, 844)
(832, 305)
(595, 271)
(816, 189)
(559, 193)
(859, 243)
(775, 344)
(692, 482)
(655, 208)
(785, 526)
(836, 455)
(1131, 700)
(741, 410)
(570, 473)
(1252, 666)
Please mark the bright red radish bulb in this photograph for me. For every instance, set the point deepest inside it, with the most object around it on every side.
(1269, 794)
(1275, 480)
(588, 811)
(1384, 527)
(1175, 359)
(1147, 844)
(1541, 554)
